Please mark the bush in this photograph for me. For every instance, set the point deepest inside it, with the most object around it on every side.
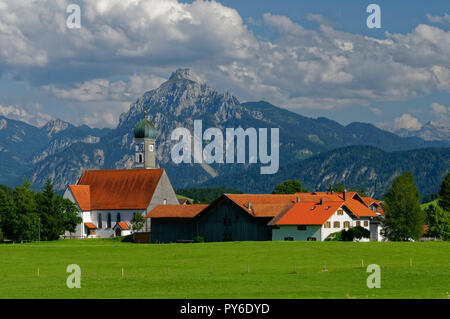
(337, 236)
(350, 234)
(199, 239)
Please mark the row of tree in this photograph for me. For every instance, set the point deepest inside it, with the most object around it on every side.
(26, 215)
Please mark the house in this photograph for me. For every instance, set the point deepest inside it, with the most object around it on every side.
(251, 217)
(316, 220)
(108, 199)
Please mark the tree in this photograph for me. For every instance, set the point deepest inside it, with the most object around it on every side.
(49, 212)
(444, 193)
(57, 213)
(137, 221)
(438, 222)
(289, 187)
(404, 219)
(23, 219)
(70, 214)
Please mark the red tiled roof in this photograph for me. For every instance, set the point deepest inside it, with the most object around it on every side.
(122, 225)
(270, 205)
(369, 201)
(359, 209)
(82, 195)
(116, 189)
(90, 225)
(176, 211)
(307, 213)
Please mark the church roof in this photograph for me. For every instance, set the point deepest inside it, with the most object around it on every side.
(116, 189)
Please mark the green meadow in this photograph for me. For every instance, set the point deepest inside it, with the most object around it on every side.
(225, 270)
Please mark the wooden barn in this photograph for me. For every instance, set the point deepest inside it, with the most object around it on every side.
(231, 217)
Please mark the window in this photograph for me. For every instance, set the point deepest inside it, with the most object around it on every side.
(366, 223)
(301, 227)
(337, 224)
(227, 221)
(165, 201)
(118, 218)
(150, 148)
(311, 239)
(289, 238)
(99, 222)
(358, 223)
(140, 158)
(346, 224)
(108, 223)
(327, 225)
(227, 237)
(340, 211)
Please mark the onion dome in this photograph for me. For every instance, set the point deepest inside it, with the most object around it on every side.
(145, 129)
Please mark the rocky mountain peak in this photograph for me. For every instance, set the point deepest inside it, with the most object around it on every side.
(55, 126)
(185, 74)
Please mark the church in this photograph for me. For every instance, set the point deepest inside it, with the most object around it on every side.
(107, 200)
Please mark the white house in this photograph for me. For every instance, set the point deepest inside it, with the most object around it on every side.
(316, 219)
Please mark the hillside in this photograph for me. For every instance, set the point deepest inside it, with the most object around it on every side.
(354, 166)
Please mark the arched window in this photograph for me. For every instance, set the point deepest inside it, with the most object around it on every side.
(108, 223)
(99, 221)
(118, 218)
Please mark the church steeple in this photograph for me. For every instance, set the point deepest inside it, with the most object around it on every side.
(144, 136)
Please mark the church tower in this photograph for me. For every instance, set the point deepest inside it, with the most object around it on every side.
(144, 137)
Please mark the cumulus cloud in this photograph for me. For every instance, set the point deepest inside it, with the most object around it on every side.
(407, 121)
(440, 113)
(126, 47)
(31, 114)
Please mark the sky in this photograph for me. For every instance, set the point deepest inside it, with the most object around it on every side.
(316, 58)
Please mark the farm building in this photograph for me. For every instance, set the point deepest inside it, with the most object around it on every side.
(244, 217)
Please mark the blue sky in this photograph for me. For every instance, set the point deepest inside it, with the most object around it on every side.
(317, 58)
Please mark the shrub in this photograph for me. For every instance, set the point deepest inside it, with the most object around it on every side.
(199, 239)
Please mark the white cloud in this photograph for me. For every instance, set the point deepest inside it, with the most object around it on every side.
(31, 114)
(407, 121)
(126, 47)
(439, 19)
(440, 113)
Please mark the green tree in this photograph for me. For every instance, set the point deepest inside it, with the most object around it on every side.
(438, 222)
(23, 219)
(137, 221)
(404, 218)
(289, 187)
(70, 214)
(57, 214)
(444, 193)
(50, 214)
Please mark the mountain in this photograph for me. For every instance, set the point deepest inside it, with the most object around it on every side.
(183, 98)
(354, 166)
(431, 131)
(22, 146)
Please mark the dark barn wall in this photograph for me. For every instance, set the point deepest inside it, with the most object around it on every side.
(227, 221)
(167, 230)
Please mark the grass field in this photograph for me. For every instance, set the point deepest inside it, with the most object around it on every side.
(220, 270)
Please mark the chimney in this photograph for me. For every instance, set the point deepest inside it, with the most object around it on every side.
(250, 205)
(344, 195)
(298, 199)
(321, 201)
